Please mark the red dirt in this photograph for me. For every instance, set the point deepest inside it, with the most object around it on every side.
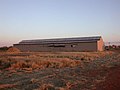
(112, 80)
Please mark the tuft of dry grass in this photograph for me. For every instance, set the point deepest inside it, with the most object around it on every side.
(5, 86)
(13, 49)
(46, 87)
(33, 80)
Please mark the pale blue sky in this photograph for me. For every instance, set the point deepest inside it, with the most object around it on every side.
(34, 19)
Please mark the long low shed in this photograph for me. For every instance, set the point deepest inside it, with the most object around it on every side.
(75, 44)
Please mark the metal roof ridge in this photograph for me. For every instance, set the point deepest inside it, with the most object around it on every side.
(62, 38)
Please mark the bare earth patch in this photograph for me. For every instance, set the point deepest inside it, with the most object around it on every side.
(112, 80)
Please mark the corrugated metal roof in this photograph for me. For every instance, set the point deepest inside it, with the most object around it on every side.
(61, 40)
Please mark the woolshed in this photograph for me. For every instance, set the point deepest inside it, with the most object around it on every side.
(75, 44)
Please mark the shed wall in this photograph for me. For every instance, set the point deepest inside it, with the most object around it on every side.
(86, 46)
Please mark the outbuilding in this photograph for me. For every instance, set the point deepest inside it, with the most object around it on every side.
(75, 44)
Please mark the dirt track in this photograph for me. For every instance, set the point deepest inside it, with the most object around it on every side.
(100, 74)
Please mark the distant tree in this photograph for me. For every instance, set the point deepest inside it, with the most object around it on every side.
(119, 46)
(106, 47)
(4, 48)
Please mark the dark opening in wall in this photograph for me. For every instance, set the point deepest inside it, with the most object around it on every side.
(56, 46)
(73, 45)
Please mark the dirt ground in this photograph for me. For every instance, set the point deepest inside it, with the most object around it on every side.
(60, 70)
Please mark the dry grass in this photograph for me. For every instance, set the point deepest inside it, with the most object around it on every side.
(6, 86)
(41, 64)
(46, 87)
(55, 71)
(36, 60)
(13, 49)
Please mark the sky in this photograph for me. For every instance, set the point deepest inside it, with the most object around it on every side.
(38, 19)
